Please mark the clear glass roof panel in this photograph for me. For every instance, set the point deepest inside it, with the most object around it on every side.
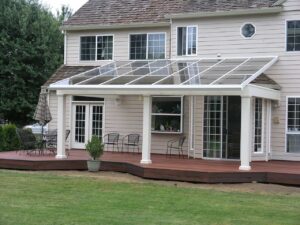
(148, 80)
(97, 80)
(215, 71)
(121, 80)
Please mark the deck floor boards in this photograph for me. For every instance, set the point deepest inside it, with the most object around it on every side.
(162, 167)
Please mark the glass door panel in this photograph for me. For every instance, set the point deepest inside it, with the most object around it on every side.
(215, 127)
(80, 117)
(97, 118)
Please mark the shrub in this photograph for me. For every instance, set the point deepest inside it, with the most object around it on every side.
(1, 139)
(11, 140)
(94, 147)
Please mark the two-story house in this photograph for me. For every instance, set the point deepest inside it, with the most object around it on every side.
(223, 73)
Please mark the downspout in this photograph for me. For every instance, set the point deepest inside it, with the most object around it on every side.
(170, 42)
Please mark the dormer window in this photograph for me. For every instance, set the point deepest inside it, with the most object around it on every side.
(293, 36)
(96, 48)
(187, 40)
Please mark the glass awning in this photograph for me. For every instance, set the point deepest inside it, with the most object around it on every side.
(206, 71)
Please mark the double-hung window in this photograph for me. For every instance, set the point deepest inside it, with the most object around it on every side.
(293, 36)
(187, 40)
(293, 125)
(96, 48)
(147, 46)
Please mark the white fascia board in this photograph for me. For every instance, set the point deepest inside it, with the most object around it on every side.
(261, 92)
(149, 90)
(112, 26)
(239, 12)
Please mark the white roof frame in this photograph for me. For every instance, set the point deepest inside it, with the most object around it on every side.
(250, 67)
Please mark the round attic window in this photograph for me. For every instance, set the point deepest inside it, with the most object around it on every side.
(248, 30)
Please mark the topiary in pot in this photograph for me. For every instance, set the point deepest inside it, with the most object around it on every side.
(95, 149)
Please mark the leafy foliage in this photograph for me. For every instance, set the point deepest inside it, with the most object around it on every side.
(94, 147)
(11, 141)
(31, 50)
(1, 138)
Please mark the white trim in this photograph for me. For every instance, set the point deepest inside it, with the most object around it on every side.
(262, 126)
(186, 47)
(238, 12)
(286, 125)
(96, 48)
(286, 36)
(170, 114)
(113, 26)
(65, 47)
(241, 30)
(147, 39)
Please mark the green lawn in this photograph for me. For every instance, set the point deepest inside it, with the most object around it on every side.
(44, 198)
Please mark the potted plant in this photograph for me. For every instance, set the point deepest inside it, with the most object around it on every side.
(95, 149)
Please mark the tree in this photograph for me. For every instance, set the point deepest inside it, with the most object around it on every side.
(31, 49)
(64, 13)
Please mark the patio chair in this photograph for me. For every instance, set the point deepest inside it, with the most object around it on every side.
(175, 145)
(50, 139)
(131, 140)
(28, 141)
(111, 139)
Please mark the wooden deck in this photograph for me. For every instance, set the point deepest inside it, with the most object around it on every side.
(174, 168)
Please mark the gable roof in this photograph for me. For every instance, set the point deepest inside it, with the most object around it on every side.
(110, 12)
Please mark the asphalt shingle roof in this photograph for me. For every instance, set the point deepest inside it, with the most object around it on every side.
(144, 11)
(64, 72)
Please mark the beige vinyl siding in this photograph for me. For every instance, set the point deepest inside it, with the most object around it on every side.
(127, 117)
(120, 45)
(222, 36)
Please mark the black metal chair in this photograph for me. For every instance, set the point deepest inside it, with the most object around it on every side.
(111, 139)
(131, 140)
(175, 144)
(28, 141)
(50, 139)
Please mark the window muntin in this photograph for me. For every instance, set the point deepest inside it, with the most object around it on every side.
(187, 40)
(89, 51)
(167, 114)
(147, 46)
(248, 30)
(104, 47)
(87, 48)
(293, 36)
(293, 125)
(258, 125)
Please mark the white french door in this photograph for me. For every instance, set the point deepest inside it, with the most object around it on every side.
(87, 121)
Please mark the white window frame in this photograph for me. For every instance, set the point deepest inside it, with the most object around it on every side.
(241, 30)
(262, 126)
(286, 36)
(96, 48)
(169, 114)
(186, 44)
(147, 44)
(286, 126)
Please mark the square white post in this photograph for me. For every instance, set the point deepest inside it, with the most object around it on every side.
(146, 147)
(61, 151)
(246, 129)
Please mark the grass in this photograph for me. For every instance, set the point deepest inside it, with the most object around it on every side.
(49, 199)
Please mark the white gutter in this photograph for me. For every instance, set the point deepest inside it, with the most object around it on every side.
(113, 26)
(239, 12)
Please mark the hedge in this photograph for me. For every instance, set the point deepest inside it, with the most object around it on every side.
(9, 140)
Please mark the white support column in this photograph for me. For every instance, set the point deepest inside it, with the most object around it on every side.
(246, 130)
(146, 147)
(61, 151)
